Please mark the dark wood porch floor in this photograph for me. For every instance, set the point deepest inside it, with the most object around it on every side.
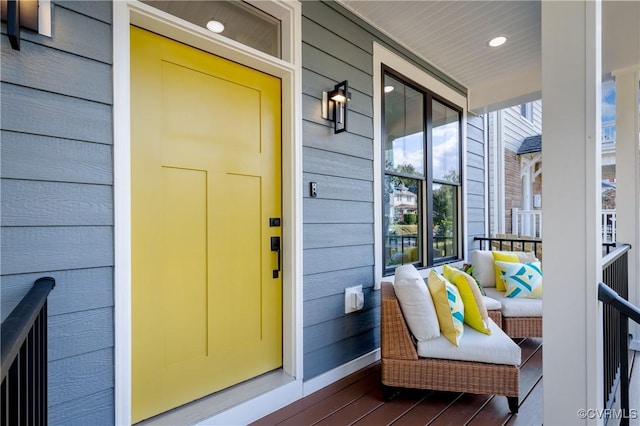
(357, 399)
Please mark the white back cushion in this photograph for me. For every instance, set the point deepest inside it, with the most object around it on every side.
(485, 271)
(416, 303)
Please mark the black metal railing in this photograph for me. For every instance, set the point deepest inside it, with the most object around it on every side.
(525, 244)
(613, 292)
(23, 358)
(607, 247)
(512, 244)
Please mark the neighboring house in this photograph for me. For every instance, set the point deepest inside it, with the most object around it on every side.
(515, 172)
(202, 220)
(514, 141)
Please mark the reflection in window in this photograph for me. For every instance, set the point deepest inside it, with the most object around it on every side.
(404, 126)
(446, 143)
(422, 177)
(402, 239)
(404, 165)
(445, 213)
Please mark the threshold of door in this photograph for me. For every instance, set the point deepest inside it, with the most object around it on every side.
(213, 404)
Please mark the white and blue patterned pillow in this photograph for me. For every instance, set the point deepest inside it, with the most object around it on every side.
(457, 309)
(521, 279)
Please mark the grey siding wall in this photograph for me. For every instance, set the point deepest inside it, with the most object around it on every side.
(338, 224)
(57, 199)
(476, 199)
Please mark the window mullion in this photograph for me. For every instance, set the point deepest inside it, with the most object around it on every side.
(428, 204)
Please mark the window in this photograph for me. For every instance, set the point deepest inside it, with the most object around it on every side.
(241, 21)
(526, 111)
(422, 176)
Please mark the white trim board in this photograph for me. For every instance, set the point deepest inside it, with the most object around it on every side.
(289, 69)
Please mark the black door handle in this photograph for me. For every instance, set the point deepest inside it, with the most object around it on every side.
(275, 246)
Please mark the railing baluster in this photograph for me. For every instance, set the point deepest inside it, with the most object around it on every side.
(23, 359)
(623, 346)
(613, 291)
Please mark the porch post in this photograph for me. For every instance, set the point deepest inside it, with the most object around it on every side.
(628, 180)
(525, 174)
(572, 261)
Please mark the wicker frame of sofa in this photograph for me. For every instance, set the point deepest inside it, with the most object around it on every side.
(402, 368)
(516, 327)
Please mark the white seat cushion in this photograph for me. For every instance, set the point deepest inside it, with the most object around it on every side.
(491, 304)
(496, 348)
(516, 307)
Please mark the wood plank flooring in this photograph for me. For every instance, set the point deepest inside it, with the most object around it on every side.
(357, 400)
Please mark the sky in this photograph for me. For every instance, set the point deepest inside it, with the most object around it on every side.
(608, 101)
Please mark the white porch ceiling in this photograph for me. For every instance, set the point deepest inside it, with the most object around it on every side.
(453, 36)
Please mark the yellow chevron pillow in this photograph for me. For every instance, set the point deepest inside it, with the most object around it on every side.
(449, 307)
(475, 312)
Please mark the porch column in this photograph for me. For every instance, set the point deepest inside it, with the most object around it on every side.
(525, 174)
(572, 260)
(628, 180)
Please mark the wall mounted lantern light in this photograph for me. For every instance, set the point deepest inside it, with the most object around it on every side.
(34, 15)
(334, 106)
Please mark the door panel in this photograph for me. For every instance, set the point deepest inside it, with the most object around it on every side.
(205, 179)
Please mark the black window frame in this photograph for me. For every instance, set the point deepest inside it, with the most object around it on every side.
(425, 195)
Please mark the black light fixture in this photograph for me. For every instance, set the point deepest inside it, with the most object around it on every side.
(334, 106)
(13, 24)
(17, 14)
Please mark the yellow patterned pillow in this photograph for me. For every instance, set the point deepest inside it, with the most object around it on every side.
(449, 307)
(475, 312)
(502, 256)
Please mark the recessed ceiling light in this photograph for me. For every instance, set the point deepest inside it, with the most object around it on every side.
(215, 26)
(388, 89)
(497, 41)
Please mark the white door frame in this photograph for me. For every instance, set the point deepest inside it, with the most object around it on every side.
(127, 13)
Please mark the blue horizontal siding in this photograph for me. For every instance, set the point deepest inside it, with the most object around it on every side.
(339, 226)
(56, 191)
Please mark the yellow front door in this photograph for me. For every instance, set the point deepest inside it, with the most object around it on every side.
(205, 184)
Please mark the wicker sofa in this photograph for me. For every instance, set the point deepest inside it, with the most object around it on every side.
(520, 317)
(403, 368)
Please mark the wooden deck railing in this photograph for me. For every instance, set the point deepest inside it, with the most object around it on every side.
(613, 292)
(23, 359)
